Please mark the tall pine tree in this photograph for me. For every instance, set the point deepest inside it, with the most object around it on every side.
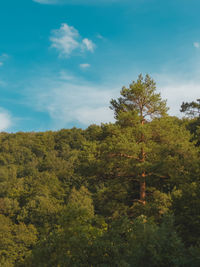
(137, 105)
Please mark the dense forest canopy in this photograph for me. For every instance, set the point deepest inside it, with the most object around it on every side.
(121, 194)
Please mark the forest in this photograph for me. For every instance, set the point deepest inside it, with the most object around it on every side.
(119, 194)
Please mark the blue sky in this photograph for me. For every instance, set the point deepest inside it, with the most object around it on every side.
(61, 61)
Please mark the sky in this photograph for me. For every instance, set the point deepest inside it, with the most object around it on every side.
(62, 61)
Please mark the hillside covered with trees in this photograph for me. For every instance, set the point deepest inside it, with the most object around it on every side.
(122, 194)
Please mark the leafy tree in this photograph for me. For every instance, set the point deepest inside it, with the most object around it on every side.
(192, 112)
(152, 245)
(137, 105)
(186, 208)
(71, 243)
(191, 109)
(15, 241)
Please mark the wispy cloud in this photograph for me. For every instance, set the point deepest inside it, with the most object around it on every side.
(47, 2)
(177, 89)
(66, 76)
(88, 45)
(70, 100)
(5, 120)
(3, 58)
(67, 39)
(75, 102)
(101, 37)
(75, 2)
(84, 66)
(196, 45)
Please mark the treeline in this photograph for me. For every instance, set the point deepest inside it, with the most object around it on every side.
(122, 194)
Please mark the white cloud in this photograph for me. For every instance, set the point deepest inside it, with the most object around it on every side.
(88, 115)
(66, 39)
(84, 66)
(1, 63)
(73, 102)
(88, 45)
(196, 45)
(77, 103)
(177, 89)
(5, 120)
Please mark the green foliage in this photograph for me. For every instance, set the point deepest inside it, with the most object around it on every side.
(191, 109)
(186, 207)
(153, 245)
(139, 101)
(72, 197)
(16, 240)
(70, 243)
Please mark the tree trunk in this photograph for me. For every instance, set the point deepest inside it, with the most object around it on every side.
(143, 179)
(143, 189)
(143, 175)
